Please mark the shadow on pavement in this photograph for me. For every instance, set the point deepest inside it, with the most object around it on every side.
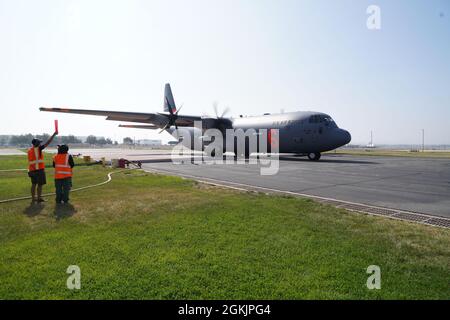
(328, 160)
(188, 160)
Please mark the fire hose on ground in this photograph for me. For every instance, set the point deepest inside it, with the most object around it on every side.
(73, 190)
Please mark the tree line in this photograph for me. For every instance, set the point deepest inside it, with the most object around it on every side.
(98, 141)
(24, 140)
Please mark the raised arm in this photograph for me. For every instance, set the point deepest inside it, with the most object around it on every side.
(50, 140)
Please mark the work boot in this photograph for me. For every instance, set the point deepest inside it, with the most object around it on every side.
(40, 200)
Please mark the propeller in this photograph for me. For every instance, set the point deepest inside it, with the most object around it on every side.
(172, 117)
(216, 110)
(222, 123)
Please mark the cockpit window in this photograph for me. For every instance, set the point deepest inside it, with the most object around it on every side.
(318, 118)
(330, 122)
(314, 118)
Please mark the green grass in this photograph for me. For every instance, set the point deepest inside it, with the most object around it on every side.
(149, 236)
(392, 153)
(16, 162)
(17, 183)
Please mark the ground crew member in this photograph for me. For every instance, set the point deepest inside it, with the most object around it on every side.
(63, 164)
(36, 167)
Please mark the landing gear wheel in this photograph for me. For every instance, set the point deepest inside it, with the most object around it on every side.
(245, 155)
(314, 156)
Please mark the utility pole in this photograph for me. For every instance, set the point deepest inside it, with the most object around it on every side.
(423, 140)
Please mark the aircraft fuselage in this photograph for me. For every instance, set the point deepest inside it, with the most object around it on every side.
(300, 132)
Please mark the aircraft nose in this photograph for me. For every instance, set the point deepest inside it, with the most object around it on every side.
(345, 137)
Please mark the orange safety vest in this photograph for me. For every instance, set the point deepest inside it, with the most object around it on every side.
(62, 167)
(35, 159)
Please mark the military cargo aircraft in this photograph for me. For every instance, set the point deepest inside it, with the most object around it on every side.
(303, 132)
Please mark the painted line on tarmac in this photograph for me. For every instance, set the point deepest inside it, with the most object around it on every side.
(397, 214)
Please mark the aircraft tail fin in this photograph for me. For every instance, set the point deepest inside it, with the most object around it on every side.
(169, 102)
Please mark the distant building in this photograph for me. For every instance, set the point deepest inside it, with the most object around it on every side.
(149, 142)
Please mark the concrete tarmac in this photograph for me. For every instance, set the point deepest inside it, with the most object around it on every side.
(413, 184)
(11, 152)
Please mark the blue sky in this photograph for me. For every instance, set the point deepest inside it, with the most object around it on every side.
(254, 56)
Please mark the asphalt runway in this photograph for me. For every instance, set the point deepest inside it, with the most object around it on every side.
(413, 184)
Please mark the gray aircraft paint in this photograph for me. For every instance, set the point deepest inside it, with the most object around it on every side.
(296, 133)
(302, 132)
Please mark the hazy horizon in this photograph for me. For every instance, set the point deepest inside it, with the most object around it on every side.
(253, 56)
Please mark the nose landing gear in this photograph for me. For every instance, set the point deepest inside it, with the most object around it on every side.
(314, 156)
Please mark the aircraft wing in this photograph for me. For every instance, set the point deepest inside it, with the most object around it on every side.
(157, 119)
(138, 126)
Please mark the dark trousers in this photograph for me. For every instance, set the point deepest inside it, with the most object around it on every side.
(62, 189)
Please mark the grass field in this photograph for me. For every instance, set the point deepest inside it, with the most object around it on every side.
(16, 183)
(392, 153)
(149, 236)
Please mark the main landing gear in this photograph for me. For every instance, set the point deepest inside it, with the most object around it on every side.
(314, 156)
